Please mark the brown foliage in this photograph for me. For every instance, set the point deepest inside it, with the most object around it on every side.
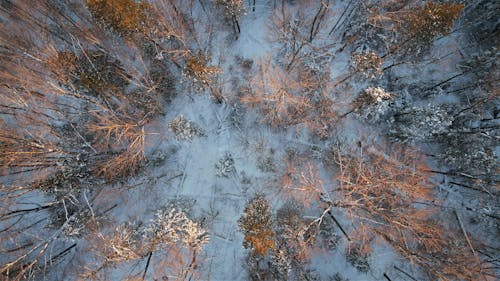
(415, 24)
(232, 8)
(256, 225)
(369, 64)
(432, 19)
(124, 16)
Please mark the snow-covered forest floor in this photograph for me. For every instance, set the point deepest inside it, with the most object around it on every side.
(249, 140)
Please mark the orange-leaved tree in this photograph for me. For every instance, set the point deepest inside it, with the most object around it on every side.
(432, 19)
(257, 226)
(124, 16)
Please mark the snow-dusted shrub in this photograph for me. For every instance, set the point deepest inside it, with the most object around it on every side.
(420, 123)
(468, 152)
(225, 166)
(79, 223)
(123, 245)
(368, 64)
(195, 237)
(68, 179)
(167, 226)
(373, 104)
(172, 226)
(184, 129)
(376, 95)
(266, 164)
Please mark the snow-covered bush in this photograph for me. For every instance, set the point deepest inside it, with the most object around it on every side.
(468, 152)
(195, 237)
(368, 64)
(373, 104)
(420, 123)
(184, 129)
(225, 166)
(168, 226)
(123, 245)
(172, 226)
(266, 164)
(376, 95)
